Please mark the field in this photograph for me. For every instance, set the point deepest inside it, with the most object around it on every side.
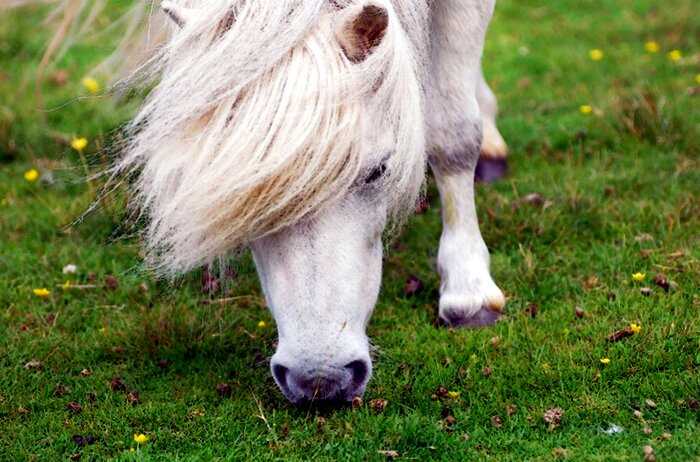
(604, 184)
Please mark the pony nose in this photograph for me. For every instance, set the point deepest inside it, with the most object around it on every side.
(328, 384)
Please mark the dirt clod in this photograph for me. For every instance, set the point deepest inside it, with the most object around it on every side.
(620, 334)
(553, 417)
(133, 398)
(413, 286)
(649, 455)
(34, 365)
(662, 281)
(74, 407)
(532, 310)
(357, 402)
(441, 392)
(117, 384)
(60, 390)
(378, 405)
(224, 390)
(111, 282)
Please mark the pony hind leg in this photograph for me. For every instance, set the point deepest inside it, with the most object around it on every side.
(468, 294)
(493, 162)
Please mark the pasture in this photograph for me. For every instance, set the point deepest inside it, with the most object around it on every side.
(594, 237)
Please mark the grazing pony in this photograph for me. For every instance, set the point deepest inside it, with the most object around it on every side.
(301, 129)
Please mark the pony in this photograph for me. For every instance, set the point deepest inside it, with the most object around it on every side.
(302, 129)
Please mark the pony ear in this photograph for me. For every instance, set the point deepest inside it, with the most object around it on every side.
(362, 32)
(178, 14)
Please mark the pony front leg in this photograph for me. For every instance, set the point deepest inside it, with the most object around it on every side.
(468, 295)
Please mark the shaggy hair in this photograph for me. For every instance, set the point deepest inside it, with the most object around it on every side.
(255, 123)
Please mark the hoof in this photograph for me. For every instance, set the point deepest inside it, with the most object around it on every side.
(489, 169)
(482, 318)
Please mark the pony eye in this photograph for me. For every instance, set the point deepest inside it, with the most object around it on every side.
(375, 174)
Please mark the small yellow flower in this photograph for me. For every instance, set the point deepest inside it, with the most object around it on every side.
(140, 438)
(262, 324)
(453, 394)
(635, 328)
(675, 55)
(103, 330)
(586, 109)
(31, 175)
(596, 54)
(79, 144)
(605, 360)
(697, 79)
(42, 292)
(66, 285)
(91, 85)
(638, 277)
(652, 47)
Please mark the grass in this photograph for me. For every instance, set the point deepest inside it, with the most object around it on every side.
(621, 192)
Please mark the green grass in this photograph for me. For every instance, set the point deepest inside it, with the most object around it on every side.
(623, 195)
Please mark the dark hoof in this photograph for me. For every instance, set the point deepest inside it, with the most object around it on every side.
(489, 169)
(482, 318)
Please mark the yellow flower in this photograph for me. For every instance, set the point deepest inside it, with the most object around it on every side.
(605, 360)
(453, 394)
(639, 277)
(635, 328)
(596, 54)
(140, 438)
(586, 109)
(66, 285)
(652, 47)
(697, 79)
(91, 85)
(262, 324)
(31, 175)
(675, 55)
(78, 144)
(42, 292)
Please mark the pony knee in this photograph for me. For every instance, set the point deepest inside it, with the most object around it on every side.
(462, 154)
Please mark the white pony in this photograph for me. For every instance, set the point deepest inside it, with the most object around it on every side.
(301, 128)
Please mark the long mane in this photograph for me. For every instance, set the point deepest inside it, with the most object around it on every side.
(253, 124)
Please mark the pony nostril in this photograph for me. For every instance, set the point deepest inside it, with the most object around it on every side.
(280, 372)
(359, 370)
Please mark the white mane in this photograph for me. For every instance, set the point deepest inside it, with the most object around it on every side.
(255, 124)
(256, 119)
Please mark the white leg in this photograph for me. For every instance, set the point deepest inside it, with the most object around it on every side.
(468, 295)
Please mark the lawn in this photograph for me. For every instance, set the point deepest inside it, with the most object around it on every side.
(593, 197)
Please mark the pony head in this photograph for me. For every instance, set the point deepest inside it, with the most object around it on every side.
(293, 128)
